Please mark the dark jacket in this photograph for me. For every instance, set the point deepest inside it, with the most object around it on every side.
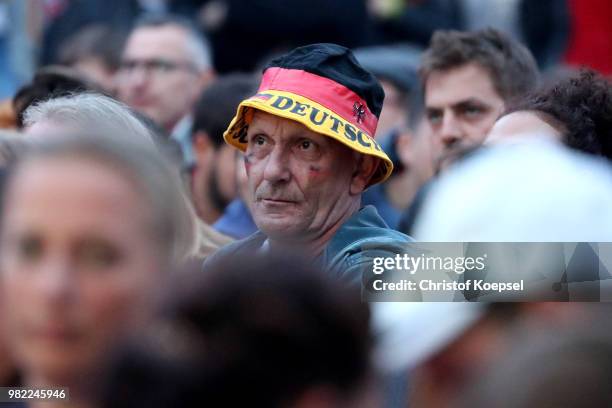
(351, 250)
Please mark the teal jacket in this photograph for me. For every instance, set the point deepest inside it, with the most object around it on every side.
(350, 252)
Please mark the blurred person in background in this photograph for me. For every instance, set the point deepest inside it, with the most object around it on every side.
(95, 52)
(576, 110)
(165, 66)
(49, 82)
(237, 221)
(415, 154)
(282, 339)
(86, 111)
(56, 81)
(82, 261)
(502, 193)
(468, 79)
(310, 152)
(64, 18)
(213, 182)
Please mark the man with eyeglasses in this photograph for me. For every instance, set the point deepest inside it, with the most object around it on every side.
(165, 66)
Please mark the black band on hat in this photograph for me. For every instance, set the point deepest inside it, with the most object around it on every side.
(338, 64)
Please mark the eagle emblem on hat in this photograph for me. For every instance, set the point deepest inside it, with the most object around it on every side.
(359, 111)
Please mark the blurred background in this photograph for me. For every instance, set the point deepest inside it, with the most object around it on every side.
(243, 33)
(422, 355)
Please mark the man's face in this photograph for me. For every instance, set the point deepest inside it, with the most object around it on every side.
(461, 107)
(158, 74)
(299, 181)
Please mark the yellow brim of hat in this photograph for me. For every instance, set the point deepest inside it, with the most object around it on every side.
(315, 117)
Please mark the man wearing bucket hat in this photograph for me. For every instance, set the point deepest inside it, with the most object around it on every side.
(308, 139)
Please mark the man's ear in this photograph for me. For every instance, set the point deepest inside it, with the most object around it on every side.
(366, 166)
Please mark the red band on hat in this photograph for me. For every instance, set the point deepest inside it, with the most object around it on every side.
(329, 93)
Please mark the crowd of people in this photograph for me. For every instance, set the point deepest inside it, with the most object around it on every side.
(192, 199)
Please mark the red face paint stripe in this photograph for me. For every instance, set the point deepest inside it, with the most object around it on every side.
(324, 91)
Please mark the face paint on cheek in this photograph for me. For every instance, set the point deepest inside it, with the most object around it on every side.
(316, 172)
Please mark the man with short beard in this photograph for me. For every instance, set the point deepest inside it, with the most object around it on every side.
(468, 79)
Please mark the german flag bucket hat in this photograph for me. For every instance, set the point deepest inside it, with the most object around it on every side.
(323, 87)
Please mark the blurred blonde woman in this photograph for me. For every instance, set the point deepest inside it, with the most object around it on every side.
(90, 111)
(91, 228)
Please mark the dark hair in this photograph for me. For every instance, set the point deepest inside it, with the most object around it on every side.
(579, 107)
(512, 68)
(218, 104)
(255, 331)
(50, 82)
(94, 41)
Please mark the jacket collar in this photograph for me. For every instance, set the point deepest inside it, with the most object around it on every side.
(363, 224)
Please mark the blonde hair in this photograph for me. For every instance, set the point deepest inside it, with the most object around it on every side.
(174, 223)
(110, 118)
(89, 111)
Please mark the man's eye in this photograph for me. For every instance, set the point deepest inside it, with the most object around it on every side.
(472, 111)
(434, 117)
(259, 140)
(30, 248)
(305, 144)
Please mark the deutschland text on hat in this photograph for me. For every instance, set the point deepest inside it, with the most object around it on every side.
(324, 88)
